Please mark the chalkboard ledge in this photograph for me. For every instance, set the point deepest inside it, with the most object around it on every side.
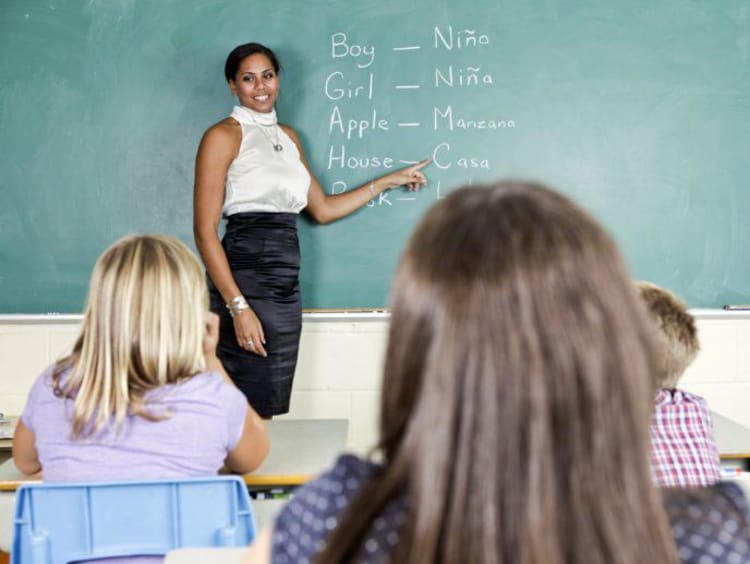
(711, 313)
(317, 315)
(307, 316)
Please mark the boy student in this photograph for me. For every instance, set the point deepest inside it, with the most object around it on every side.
(683, 448)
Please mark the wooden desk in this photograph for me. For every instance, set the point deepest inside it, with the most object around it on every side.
(300, 449)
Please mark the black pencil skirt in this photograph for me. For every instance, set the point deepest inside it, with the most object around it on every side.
(263, 254)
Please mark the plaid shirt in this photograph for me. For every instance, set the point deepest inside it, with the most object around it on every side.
(683, 448)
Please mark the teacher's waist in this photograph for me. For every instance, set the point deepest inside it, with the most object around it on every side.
(252, 221)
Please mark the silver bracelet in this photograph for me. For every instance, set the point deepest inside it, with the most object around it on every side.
(236, 305)
(372, 190)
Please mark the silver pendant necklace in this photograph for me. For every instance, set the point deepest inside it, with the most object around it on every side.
(276, 145)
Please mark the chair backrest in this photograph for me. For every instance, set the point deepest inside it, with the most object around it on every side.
(60, 523)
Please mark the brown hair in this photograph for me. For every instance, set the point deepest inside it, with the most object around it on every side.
(677, 337)
(516, 398)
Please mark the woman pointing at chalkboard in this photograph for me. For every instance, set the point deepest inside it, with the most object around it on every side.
(253, 170)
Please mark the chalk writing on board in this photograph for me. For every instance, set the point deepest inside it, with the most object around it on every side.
(360, 75)
(337, 86)
(357, 127)
(463, 76)
(338, 158)
(444, 118)
(446, 38)
(364, 55)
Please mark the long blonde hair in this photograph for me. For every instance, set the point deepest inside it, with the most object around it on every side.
(516, 393)
(142, 328)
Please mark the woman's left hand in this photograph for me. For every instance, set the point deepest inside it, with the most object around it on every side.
(410, 176)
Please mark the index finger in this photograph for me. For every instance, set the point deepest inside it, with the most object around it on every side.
(420, 165)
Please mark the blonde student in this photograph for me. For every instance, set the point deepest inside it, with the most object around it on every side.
(514, 412)
(683, 447)
(142, 394)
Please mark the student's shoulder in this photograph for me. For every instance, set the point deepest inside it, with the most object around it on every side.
(319, 502)
(339, 483)
(210, 384)
(52, 377)
(727, 496)
(44, 392)
(709, 521)
(678, 396)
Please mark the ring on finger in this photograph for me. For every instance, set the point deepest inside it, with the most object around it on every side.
(249, 344)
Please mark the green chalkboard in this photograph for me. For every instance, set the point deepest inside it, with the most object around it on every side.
(638, 109)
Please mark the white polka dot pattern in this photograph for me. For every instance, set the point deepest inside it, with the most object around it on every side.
(301, 529)
(710, 525)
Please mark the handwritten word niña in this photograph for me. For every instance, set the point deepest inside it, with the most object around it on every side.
(469, 76)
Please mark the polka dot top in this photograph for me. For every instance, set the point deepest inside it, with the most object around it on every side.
(710, 525)
(304, 523)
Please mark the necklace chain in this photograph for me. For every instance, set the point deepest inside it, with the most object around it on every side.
(277, 145)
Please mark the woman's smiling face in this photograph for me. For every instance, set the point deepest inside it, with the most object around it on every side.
(256, 83)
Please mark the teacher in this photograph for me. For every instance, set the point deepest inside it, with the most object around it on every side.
(253, 171)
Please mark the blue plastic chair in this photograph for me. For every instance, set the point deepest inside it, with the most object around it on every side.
(60, 523)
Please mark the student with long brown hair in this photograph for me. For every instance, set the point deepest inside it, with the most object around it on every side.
(515, 403)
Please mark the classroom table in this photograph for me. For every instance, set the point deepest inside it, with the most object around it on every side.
(732, 439)
(6, 433)
(300, 449)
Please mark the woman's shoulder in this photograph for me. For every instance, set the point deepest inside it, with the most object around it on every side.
(225, 132)
(710, 523)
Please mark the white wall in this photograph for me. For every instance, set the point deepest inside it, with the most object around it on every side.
(341, 359)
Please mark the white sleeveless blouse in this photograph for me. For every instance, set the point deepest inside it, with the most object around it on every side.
(261, 179)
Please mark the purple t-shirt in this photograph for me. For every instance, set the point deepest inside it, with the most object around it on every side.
(206, 422)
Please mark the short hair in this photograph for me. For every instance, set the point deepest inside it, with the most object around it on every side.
(677, 336)
(142, 328)
(241, 52)
(516, 392)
